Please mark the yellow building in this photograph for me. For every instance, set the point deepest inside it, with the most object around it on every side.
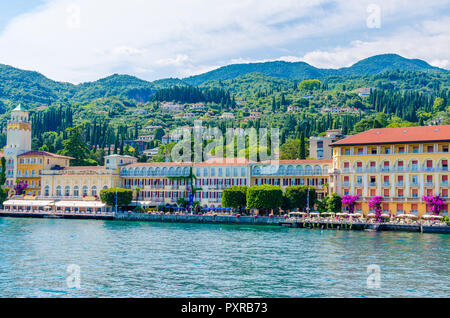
(286, 173)
(83, 182)
(32, 163)
(399, 164)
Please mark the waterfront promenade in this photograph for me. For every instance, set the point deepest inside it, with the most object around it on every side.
(321, 223)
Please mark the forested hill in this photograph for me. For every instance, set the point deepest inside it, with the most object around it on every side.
(300, 70)
(34, 89)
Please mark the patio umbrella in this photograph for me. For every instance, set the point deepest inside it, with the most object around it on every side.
(412, 216)
(401, 216)
(385, 215)
(356, 215)
(371, 215)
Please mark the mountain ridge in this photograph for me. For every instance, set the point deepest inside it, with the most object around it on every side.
(31, 87)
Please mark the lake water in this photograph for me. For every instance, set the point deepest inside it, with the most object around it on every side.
(134, 259)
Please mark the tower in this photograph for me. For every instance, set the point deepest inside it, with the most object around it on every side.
(18, 141)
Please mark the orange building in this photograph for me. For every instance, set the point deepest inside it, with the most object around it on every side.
(31, 164)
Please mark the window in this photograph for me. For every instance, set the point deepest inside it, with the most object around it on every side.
(213, 172)
(67, 191)
(444, 148)
(76, 191)
(94, 191)
(85, 190)
(58, 191)
(235, 172)
(228, 172)
(415, 149)
(47, 191)
(205, 172)
(220, 172)
(242, 172)
(430, 149)
(401, 150)
(360, 151)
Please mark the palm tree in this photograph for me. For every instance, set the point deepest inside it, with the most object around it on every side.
(137, 191)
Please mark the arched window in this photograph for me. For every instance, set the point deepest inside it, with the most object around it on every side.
(256, 171)
(308, 170)
(318, 170)
(76, 192)
(67, 191)
(47, 191)
(282, 171)
(85, 190)
(299, 170)
(94, 191)
(58, 191)
(290, 170)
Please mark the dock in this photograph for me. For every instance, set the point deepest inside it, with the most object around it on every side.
(58, 215)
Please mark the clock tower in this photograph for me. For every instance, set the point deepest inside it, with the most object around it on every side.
(18, 141)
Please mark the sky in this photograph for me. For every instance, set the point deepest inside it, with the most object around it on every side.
(84, 40)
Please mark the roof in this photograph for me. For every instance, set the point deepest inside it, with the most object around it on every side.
(311, 161)
(156, 164)
(224, 162)
(20, 108)
(84, 168)
(43, 154)
(397, 135)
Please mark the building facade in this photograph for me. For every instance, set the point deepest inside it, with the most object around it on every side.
(399, 164)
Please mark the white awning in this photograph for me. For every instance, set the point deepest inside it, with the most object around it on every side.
(27, 203)
(80, 204)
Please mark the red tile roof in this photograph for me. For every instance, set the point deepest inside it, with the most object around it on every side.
(397, 135)
(43, 154)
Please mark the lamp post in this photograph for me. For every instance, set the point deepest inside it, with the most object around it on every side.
(307, 202)
(115, 200)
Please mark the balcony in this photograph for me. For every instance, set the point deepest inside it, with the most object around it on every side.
(429, 184)
(400, 184)
(346, 184)
(372, 184)
(386, 184)
(444, 183)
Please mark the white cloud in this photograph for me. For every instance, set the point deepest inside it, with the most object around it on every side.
(426, 42)
(80, 40)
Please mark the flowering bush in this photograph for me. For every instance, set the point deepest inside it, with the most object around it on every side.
(375, 203)
(350, 201)
(434, 202)
(20, 188)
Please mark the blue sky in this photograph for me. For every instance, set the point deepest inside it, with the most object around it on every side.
(84, 40)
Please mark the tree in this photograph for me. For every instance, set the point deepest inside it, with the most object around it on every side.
(76, 147)
(124, 196)
(235, 197)
(264, 197)
(302, 149)
(334, 203)
(289, 150)
(137, 191)
(3, 195)
(296, 197)
(309, 85)
(3, 172)
(439, 104)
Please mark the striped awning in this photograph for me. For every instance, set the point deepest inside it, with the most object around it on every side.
(27, 203)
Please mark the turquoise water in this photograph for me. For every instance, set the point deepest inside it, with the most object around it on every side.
(127, 259)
